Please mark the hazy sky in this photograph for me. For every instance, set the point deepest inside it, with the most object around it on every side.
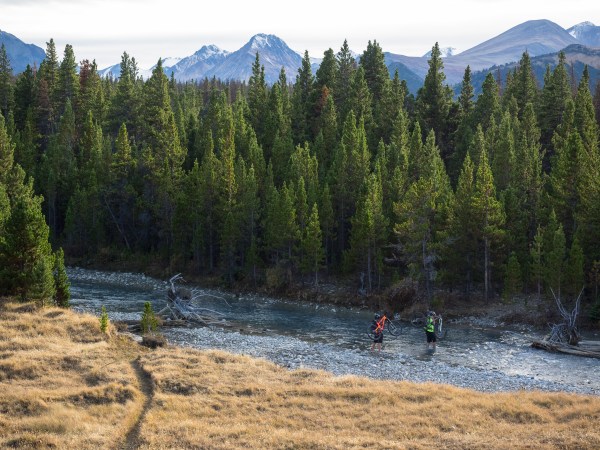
(149, 29)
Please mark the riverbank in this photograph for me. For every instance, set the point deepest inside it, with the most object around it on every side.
(402, 297)
(65, 384)
(479, 352)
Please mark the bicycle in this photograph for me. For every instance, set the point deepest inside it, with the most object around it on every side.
(421, 319)
(385, 324)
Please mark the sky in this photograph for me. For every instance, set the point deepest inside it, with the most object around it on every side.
(147, 30)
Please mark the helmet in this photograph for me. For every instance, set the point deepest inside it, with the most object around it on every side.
(377, 316)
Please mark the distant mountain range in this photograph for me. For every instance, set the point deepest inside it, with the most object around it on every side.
(537, 37)
(21, 54)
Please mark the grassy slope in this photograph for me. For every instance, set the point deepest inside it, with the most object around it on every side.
(63, 384)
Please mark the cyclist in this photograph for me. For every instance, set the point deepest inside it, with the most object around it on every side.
(430, 329)
(377, 329)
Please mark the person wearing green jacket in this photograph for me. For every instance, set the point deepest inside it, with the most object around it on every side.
(430, 330)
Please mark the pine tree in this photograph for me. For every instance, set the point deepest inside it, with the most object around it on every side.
(361, 103)
(369, 229)
(422, 215)
(377, 77)
(257, 98)
(513, 278)
(555, 260)
(537, 261)
(346, 68)
(524, 85)
(6, 87)
(312, 246)
(67, 83)
(303, 108)
(327, 73)
(434, 100)
(328, 128)
(149, 322)
(553, 99)
(460, 259)
(487, 105)
(103, 320)
(574, 280)
(62, 293)
(125, 103)
(7, 153)
(24, 96)
(26, 258)
(490, 216)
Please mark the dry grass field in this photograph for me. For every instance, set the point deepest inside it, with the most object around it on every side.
(66, 385)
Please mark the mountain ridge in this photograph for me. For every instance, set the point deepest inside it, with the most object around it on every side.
(537, 37)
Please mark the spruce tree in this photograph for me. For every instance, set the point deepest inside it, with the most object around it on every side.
(25, 253)
(490, 216)
(303, 107)
(62, 293)
(574, 280)
(257, 98)
(346, 68)
(369, 230)
(513, 277)
(312, 246)
(434, 100)
(537, 261)
(6, 86)
(555, 260)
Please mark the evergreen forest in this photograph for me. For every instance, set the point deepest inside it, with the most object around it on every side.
(339, 174)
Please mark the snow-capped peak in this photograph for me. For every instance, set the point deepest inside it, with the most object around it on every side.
(576, 30)
(445, 52)
(170, 61)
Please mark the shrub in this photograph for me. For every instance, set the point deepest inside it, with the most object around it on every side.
(149, 323)
(103, 320)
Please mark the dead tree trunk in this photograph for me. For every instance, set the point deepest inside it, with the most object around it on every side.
(566, 332)
(181, 305)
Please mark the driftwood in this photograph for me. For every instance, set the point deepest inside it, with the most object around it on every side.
(565, 338)
(590, 349)
(181, 306)
(566, 332)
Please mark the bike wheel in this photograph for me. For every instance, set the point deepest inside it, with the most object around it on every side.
(440, 334)
(418, 321)
(371, 334)
(394, 328)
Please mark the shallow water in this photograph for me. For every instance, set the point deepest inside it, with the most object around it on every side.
(503, 350)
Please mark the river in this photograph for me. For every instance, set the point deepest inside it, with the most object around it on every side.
(331, 338)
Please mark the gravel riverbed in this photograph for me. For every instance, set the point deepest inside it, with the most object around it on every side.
(478, 353)
(294, 353)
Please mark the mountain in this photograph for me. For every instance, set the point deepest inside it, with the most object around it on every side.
(21, 54)
(273, 52)
(537, 37)
(445, 51)
(196, 66)
(587, 33)
(413, 81)
(577, 56)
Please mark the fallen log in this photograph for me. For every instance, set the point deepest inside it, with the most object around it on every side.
(182, 306)
(589, 349)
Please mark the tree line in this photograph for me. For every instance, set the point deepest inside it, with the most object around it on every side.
(338, 173)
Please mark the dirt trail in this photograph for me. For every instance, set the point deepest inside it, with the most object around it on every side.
(132, 439)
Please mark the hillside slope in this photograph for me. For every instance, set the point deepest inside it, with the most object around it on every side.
(66, 385)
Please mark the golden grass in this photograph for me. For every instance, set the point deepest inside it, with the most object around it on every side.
(65, 385)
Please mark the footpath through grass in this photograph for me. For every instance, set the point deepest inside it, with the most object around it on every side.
(66, 385)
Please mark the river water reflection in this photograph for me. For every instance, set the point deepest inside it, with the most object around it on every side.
(503, 350)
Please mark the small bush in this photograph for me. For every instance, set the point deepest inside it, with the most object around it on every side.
(149, 323)
(103, 320)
